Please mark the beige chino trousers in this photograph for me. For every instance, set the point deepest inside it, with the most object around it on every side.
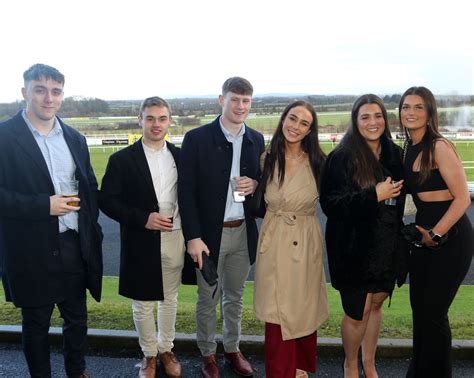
(172, 260)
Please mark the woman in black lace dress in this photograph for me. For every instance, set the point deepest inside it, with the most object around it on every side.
(435, 177)
(360, 194)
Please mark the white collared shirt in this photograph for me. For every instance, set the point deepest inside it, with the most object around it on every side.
(165, 177)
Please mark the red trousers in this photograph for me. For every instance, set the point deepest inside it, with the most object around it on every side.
(282, 358)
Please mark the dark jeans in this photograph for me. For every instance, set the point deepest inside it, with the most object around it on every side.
(73, 309)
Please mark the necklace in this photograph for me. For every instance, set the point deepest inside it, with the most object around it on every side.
(297, 157)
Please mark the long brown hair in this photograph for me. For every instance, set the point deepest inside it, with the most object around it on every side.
(367, 170)
(431, 135)
(309, 144)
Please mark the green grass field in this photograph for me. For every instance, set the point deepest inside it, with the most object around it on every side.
(114, 312)
(100, 156)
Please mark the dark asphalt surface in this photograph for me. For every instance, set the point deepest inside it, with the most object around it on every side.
(99, 364)
(111, 245)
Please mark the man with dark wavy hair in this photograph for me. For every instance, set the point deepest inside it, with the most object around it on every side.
(51, 245)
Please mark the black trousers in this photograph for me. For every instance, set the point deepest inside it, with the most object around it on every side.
(435, 277)
(68, 285)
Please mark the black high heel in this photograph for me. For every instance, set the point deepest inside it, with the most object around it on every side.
(361, 367)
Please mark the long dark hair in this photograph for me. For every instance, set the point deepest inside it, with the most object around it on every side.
(367, 169)
(310, 144)
(431, 135)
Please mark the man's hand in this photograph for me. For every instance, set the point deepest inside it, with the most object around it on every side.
(246, 185)
(195, 249)
(159, 222)
(58, 205)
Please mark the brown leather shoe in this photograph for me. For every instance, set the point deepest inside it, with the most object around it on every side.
(209, 367)
(239, 364)
(148, 368)
(170, 364)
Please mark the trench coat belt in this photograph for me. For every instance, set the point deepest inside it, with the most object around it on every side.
(289, 217)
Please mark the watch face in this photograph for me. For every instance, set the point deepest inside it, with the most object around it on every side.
(435, 237)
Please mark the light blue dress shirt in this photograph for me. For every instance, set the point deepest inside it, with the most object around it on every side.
(60, 164)
(234, 210)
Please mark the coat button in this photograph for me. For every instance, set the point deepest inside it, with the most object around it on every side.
(294, 216)
(55, 253)
(295, 243)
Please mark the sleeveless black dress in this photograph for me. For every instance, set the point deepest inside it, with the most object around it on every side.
(435, 276)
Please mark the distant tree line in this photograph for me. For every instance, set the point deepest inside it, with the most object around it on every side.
(71, 107)
(198, 107)
(84, 107)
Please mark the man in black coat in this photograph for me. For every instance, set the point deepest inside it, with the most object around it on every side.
(216, 220)
(138, 188)
(50, 244)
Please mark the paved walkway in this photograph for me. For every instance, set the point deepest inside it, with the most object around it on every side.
(116, 354)
(126, 341)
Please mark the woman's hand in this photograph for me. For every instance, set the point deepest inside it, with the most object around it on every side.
(426, 239)
(388, 189)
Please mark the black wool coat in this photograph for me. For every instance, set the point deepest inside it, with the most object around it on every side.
(354, 234)
(127, 195)
(29, 235)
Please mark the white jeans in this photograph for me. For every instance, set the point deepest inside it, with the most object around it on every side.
(172, 260)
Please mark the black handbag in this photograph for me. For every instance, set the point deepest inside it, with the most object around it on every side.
(411, 234)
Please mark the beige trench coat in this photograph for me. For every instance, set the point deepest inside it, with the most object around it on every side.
(290, 285)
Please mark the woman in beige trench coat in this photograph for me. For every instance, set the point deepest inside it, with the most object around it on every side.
(290, 286)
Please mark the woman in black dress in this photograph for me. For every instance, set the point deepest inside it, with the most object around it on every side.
(360, 189)
(435, 177)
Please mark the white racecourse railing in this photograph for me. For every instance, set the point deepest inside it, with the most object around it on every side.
(123, 139)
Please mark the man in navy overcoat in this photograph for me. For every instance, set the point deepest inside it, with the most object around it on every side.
(216, 221)
(50, 250)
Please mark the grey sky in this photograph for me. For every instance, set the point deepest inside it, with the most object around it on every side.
(134, 49)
